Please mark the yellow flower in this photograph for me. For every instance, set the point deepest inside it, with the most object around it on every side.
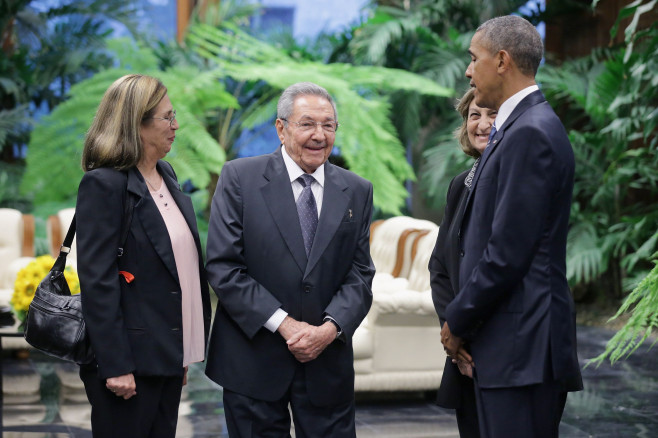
(29, 278)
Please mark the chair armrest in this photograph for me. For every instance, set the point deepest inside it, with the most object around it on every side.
(386, 283)
(403, 302)
(9, 276)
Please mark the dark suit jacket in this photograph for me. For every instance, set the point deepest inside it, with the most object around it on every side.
(444, 279)
(514, 304)
(134, 327)
(257, 263)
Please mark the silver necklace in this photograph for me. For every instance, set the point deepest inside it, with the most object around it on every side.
(149, 183)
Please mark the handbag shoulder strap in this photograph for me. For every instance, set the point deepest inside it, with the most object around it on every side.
(126, 221)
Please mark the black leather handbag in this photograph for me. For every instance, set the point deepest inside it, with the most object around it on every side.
(54, 322)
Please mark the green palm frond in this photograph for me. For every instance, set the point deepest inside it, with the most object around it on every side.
(13, 121)
(642, 304)
(57, 141)
(367, 139)
(585, 259)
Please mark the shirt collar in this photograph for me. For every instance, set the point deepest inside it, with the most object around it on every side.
(508, 106)
(294, 171)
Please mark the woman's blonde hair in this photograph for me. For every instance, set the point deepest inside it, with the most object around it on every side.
(113, 139)
(461, 133)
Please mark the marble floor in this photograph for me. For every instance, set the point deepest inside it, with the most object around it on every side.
(44, 398)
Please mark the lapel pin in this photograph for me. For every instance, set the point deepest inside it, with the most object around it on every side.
(350, 212)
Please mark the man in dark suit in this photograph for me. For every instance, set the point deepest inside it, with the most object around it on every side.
(514, 316)
(289, 258)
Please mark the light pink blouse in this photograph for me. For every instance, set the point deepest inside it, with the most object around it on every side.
(187, 265)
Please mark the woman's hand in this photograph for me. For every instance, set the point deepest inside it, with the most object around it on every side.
(122, 386)
(464, 367)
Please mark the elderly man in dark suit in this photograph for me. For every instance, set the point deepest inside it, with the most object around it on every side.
(289, 258)
(514, 316)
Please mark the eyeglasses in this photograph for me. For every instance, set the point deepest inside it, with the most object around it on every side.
(171, 119)
(309, 125)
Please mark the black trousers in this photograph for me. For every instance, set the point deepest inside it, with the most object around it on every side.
(467, 413)
(251, 418)
(152, 413)
(532, 411)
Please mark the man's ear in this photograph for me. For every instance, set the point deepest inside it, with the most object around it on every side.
(504, 61)
(279, 129)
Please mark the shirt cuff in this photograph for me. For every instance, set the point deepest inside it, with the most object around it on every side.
(339, 331)
(275, 320)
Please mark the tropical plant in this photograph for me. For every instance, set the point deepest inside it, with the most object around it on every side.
(608, 103)
(367, 140)
(639, 99)
(47, 47)
(643, 305)
(431, 39)
(57, 140)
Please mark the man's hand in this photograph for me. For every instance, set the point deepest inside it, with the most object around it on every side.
(290, 326)
(453, 345)
(122, 386)
(308, 343)
(464, 367)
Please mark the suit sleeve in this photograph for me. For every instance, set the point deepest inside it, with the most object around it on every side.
(442, 292)
(352, 301)
(523, 194)
(248, 303)
(99, 213)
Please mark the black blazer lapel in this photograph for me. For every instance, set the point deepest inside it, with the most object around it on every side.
(334, 202)
(280, 201)
(151, 220)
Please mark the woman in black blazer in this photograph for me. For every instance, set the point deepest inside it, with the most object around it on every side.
(148, 310)
(456, 390)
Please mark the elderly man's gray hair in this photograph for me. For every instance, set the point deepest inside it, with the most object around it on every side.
(287, 99)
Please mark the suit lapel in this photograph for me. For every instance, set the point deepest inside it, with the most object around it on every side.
(334, 203)
(532, 99)
(280, 201)
(151, 220)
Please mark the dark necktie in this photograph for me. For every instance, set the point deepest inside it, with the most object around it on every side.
(308, 211)
(491, 134)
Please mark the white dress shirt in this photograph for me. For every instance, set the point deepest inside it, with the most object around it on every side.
(317, 187)
(508, 106)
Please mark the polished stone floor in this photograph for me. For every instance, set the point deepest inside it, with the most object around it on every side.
(44, 398)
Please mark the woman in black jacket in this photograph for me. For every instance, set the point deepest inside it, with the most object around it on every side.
(456, 390)
(147, 311)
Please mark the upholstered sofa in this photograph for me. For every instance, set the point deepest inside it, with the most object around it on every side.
(397, 347)
(16, 251)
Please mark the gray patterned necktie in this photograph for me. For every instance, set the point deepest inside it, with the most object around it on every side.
(308, 211)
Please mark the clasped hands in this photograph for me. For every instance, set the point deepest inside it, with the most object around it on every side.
(454, 348)
(306, 341)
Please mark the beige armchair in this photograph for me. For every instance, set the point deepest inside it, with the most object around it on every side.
(392, 247)
(398, 345)
(58, 225)
(16, 247)
(16, 251)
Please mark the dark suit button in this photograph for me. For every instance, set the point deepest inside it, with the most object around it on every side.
(461, 253)
(307, 288)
